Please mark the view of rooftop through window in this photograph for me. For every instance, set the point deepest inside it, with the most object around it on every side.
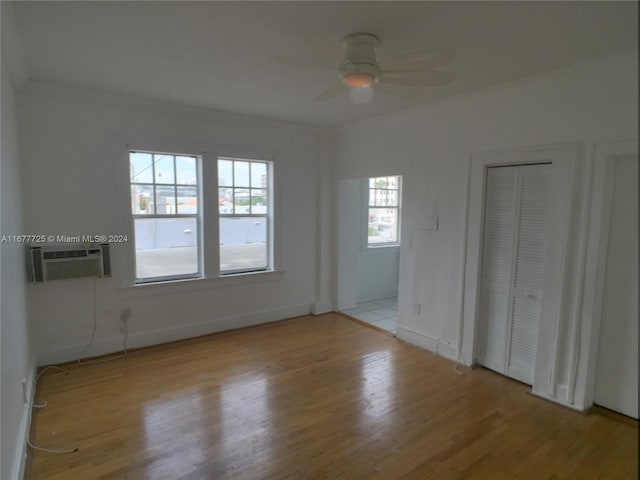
(166, 209)
(243, 205)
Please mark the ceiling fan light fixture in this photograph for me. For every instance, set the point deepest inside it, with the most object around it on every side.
(361, 95)
(358, 80)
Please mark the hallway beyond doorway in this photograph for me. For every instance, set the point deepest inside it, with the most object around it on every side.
(382, 313)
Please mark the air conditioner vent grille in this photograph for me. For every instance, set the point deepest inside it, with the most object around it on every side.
(64, 254)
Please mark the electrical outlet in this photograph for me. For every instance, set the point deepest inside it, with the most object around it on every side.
(25, 398)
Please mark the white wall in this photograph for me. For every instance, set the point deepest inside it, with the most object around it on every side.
(74, 146)
(18, 362)
(616, 379)
(378, 273)
(430, 146)
(348, 239)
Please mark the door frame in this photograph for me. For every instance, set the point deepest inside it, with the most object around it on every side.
(604, 157)
(563, 159)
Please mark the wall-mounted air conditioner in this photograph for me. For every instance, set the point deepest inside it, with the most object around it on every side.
(46, 263)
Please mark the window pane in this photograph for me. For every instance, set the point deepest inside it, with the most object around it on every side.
(186, 171)
(225, 173)
(372, 183)
(164, 168)
(140, 168)
(225, 200)
(241, 174)
(392, 198)
(383, 225)
(258, 201)
(372, 197)
(381, 182)
(243, 244)
(241, 200)
(142, 199)
(381, 198)
(166, 247)
(386, 194)
(392, 182)
(165, 199)
(259, 175)
(187, 200)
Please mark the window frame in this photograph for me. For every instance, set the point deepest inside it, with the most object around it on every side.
(209, 275)
(197, 216)
(268, 216)
(397, 207)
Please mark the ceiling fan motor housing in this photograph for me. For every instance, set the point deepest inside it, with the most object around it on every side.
(360, 56)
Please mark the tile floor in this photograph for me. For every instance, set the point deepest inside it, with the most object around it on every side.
(382, 313)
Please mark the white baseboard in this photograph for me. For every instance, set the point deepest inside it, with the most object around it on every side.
(322, 306)
(345, 306)
(20, 457)
(575, 406)
(427, 342)
(447, 350)
(417, 338)
(170, 334)
(562, 392)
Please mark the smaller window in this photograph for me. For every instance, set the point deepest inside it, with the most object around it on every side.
(383, 220)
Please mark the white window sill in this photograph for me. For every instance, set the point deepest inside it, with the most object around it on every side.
(382, 245)
(191, 284)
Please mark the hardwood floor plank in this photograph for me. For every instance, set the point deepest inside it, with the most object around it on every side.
(311, 397)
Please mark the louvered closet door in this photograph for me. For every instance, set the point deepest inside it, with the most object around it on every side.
(531, 240)
(495, 285)
(516, 216)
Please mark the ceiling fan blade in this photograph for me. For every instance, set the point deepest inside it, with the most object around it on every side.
(409, 93)
(331, 92)
(421, 60)
(417, 78)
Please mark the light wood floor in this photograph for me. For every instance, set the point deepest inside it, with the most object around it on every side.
(312, 397)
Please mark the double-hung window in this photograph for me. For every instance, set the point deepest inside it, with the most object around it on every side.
(165, 208)
(244, 209)
(169, 215)
(383, 219)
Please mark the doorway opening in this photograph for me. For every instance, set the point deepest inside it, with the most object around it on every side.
(369, 249)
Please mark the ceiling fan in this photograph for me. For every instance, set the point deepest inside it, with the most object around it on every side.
(359, 70)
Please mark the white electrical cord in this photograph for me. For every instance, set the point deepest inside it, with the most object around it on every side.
(93, 336)
(109, 359)
(95, 322)
(51, 450)
(66, 372)
(42, 405)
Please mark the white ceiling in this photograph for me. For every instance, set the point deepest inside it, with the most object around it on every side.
(224, 55)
